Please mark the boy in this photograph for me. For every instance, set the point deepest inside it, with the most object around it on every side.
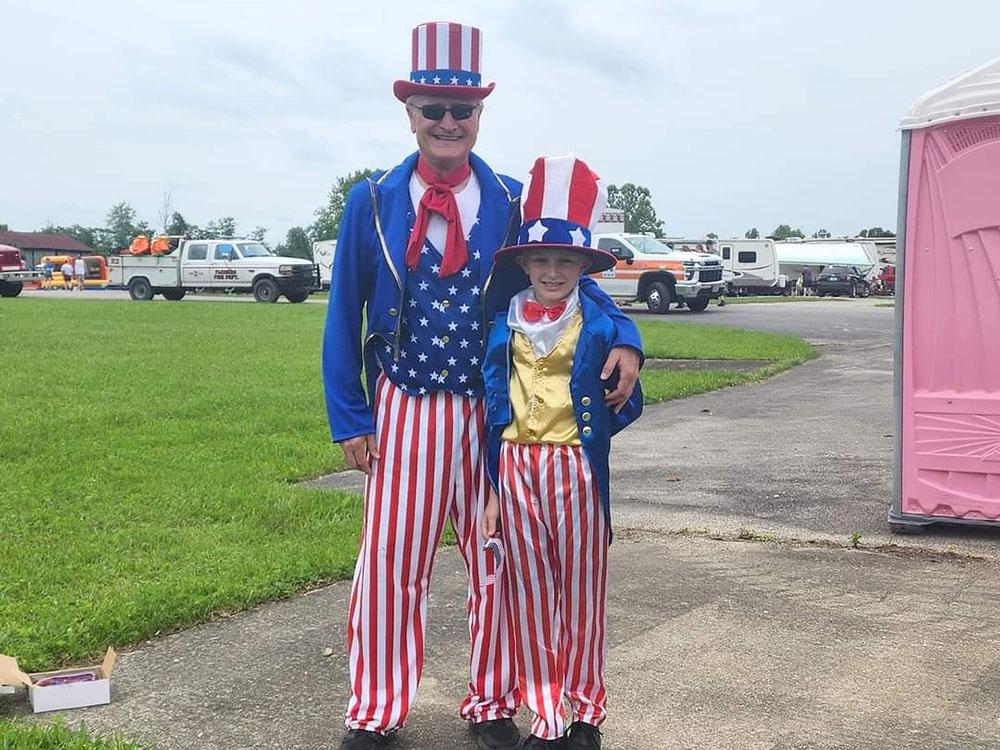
(548, 436)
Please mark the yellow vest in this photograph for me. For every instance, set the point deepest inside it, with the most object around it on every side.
(540, 398)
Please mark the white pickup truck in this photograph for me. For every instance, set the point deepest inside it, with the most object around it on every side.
(651, 271)
(231, 265)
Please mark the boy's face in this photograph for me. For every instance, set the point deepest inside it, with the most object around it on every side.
(553, 273)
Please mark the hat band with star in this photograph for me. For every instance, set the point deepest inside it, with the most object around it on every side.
(563, 200)
(446, 61)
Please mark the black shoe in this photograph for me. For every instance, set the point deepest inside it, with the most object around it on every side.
(359, 739)
(583, 736)
(497, 734)
(537, 743)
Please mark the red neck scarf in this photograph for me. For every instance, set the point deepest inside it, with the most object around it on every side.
(534, 311)
(438, 198)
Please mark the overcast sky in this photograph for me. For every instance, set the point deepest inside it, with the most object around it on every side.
(734, 114)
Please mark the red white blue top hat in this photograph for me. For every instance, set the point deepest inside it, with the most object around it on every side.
(562, 201)
(447, 59)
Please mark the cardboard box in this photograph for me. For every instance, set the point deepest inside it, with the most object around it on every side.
(54, 691)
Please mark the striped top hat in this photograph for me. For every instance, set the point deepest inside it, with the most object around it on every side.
(447, 59)
(562, 201)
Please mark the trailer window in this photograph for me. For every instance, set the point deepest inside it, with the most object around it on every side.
(727, 252)
(197, 252)
(746, 256)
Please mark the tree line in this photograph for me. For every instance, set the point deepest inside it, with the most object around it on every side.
(123, 223)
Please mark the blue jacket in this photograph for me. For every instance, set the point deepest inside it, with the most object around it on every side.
(368, 282)
(586, 389)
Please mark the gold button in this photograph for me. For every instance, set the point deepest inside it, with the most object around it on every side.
(446, 303)
(444, 373)
(585, 400)
(393, 312)
(585, 416)
(587, 431)
(444, 339)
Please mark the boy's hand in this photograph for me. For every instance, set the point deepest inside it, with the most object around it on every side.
(491, 517)
(358, 450)
(626, 360)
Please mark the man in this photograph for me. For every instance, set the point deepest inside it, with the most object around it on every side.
(413, 259)
(67, 275)
(80, 271)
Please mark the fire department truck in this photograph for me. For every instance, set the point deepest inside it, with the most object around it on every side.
(217, 264)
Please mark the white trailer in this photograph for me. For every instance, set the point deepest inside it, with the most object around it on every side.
(323, 252)
(751, 267)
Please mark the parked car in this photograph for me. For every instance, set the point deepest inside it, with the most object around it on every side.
(837, 280)
(885, 282)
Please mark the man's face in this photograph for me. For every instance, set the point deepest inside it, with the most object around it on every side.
(445, 144)
(553, 273)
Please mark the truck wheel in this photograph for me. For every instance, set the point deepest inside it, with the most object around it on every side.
(139, 288)
(297, 295)
(265, 290)
(173, 294)
(10, 288)
(658, 300)
(697, 304)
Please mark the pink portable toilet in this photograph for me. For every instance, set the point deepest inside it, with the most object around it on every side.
(947, 394)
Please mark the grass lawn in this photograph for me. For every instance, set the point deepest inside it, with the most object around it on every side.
(20, 736)
(149, 454)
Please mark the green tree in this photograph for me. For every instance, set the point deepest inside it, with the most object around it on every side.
(328, 217)
(876, 232)
(224, 227)
(783, 232)
(4, 228)
(120, 227)
(821, 234)
(752, 234)
(178, 226)
(296, 244)
(637, 203)
(89, 236)
(257, 233)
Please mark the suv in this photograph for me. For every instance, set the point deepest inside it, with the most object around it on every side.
(837, 280)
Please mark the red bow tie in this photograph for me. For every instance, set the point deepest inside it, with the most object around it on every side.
(439, 199)
(533, 311)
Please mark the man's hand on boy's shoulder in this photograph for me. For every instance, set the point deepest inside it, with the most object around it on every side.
(626, 360)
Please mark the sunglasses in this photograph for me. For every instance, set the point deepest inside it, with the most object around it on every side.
(438, 111)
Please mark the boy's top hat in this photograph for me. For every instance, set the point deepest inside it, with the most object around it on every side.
(563, 200)
(447, 59)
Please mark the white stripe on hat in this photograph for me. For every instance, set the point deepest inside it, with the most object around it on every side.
(558, 173)
(600, 203)
(466, 48)
(422, 47)
(442, 46)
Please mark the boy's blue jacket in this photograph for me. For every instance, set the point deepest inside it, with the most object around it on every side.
(368, 282)
(586, 389)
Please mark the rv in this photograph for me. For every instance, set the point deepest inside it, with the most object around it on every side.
(323, 251)
(794, 255)
(751, 267)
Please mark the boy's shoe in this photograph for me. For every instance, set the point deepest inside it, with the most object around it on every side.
(537, 743)
(497, 734)
(359, 739)
(583, 736)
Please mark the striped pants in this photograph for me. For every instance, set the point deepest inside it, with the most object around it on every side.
(556, 537)
(432, 468)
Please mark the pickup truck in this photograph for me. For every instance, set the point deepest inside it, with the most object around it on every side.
(13, 272)
(224, 264)
(653, 272)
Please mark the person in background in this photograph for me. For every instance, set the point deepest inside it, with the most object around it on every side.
(67, 274)
(79, 271)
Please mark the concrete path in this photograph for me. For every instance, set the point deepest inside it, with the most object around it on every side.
(740, 616)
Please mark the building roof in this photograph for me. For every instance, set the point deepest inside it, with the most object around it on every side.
(43, 241)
